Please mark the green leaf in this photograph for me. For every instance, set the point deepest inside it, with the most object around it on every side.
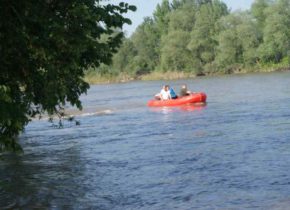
(133, 8)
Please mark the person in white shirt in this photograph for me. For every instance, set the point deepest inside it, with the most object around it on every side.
(164, 93)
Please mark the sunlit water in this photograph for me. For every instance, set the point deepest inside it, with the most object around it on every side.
(232, 154)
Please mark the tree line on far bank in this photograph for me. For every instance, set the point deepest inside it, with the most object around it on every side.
(204, 37)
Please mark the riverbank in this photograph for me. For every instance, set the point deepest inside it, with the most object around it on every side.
(93, 77)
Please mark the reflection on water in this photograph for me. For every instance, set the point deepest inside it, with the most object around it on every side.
(232, 153)
(184, 108)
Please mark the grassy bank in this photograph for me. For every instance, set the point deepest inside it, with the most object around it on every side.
(93, 77)
(157, 75)
(97, 78)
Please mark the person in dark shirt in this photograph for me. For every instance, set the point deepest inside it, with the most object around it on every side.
(184, 91)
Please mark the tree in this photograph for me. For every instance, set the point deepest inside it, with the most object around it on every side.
(146, 40)
(203, 36)
(183, 18)
(45, 48)
(124, 56)
(229, 50)
(249, 36)
(258, 10)
(238, 42)
(174, 53)
(276, 39)
(161, 16)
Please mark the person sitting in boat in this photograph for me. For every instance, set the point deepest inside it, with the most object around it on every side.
(184, 91)
(172, 93)
(164, 93)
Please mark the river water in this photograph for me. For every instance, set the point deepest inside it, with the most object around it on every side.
(234, 153)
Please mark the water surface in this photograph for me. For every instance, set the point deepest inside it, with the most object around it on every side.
(232, 154)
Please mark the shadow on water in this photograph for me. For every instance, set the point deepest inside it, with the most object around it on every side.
(34, 182)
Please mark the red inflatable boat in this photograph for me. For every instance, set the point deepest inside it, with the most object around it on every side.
(193, 98)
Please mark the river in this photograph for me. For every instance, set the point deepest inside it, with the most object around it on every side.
(234, 153)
